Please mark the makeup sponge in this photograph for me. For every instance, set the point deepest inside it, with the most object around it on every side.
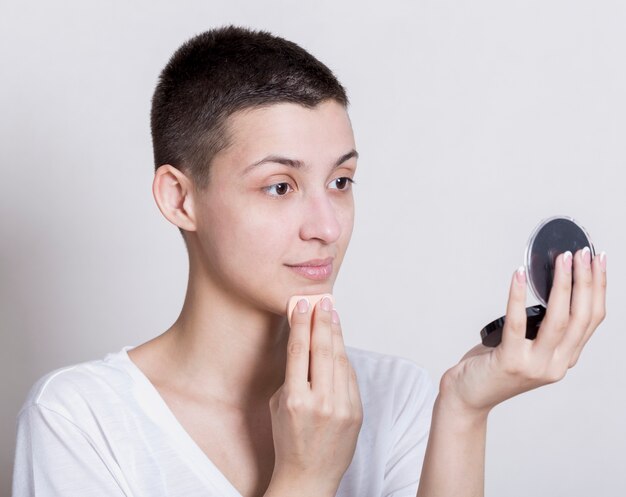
(313, 299)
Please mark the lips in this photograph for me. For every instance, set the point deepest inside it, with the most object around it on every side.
(314, 269)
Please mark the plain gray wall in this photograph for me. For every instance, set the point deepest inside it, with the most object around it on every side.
(474, 121)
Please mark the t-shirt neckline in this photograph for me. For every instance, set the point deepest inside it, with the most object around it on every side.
(160, 413)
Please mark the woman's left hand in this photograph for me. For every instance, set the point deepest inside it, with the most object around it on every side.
(487, 376)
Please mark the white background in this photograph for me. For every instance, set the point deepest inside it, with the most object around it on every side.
(474, 121)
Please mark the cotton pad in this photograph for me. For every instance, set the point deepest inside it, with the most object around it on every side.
(313, 299)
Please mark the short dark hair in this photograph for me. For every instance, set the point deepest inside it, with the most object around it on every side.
(219, 72)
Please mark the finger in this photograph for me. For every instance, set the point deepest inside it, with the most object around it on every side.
(297, 368)
(322, 348)
(313, 299)
(557, 313)
(353, 389)
(582, 300)
(598, 306)
(341, 376)
(515, 320)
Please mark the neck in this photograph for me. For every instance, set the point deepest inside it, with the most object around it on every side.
(226, 349)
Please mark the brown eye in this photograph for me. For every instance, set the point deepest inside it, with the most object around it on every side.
(343, 183)
(278, 190)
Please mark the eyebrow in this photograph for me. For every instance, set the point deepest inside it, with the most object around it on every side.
(297, 164)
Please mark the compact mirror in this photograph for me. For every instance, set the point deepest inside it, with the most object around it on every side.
(551, 237)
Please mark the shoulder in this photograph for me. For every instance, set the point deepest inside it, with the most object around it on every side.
(78, 387)
(394, 378)
(375, 364)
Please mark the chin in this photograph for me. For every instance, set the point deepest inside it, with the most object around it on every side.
(310, 290)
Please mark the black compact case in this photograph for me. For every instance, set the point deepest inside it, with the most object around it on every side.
(551, 237)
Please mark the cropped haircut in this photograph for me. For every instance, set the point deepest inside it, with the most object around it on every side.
(222, 71)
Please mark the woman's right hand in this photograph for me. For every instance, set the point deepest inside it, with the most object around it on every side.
(315, 423)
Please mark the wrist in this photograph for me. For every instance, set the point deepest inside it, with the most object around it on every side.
(454, 411)
(450, 404)
(297, 487)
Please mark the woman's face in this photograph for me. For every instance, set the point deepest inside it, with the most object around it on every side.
(258, 222)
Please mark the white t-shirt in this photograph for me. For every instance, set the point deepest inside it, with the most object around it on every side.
(100, 428)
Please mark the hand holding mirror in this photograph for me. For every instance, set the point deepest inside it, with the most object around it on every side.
(551, 237)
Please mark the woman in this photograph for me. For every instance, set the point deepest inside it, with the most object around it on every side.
(255, 160)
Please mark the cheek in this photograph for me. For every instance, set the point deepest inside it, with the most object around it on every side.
(346, 218)
(259, 234)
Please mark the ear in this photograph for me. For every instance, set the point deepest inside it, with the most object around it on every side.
(173, 193)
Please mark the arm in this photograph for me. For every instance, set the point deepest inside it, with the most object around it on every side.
(455, 455)
(454, 460)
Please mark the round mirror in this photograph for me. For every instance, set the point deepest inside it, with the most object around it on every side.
(551, 237)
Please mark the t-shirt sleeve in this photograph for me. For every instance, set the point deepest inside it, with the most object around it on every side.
(54, 457)
(409, 435)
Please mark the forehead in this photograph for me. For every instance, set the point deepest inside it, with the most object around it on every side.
(320, 133)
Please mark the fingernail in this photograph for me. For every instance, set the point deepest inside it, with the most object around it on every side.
(586, 257)
(327, 305)
(603, 261)
(335, 317)
(303, 306)
(520, 275)
(567, 261)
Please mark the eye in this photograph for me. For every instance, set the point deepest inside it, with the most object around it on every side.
(343, 183)
(277, 190)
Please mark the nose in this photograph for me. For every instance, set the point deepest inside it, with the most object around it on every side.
(321, 220)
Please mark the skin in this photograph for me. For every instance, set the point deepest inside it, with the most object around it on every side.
(243, 232)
